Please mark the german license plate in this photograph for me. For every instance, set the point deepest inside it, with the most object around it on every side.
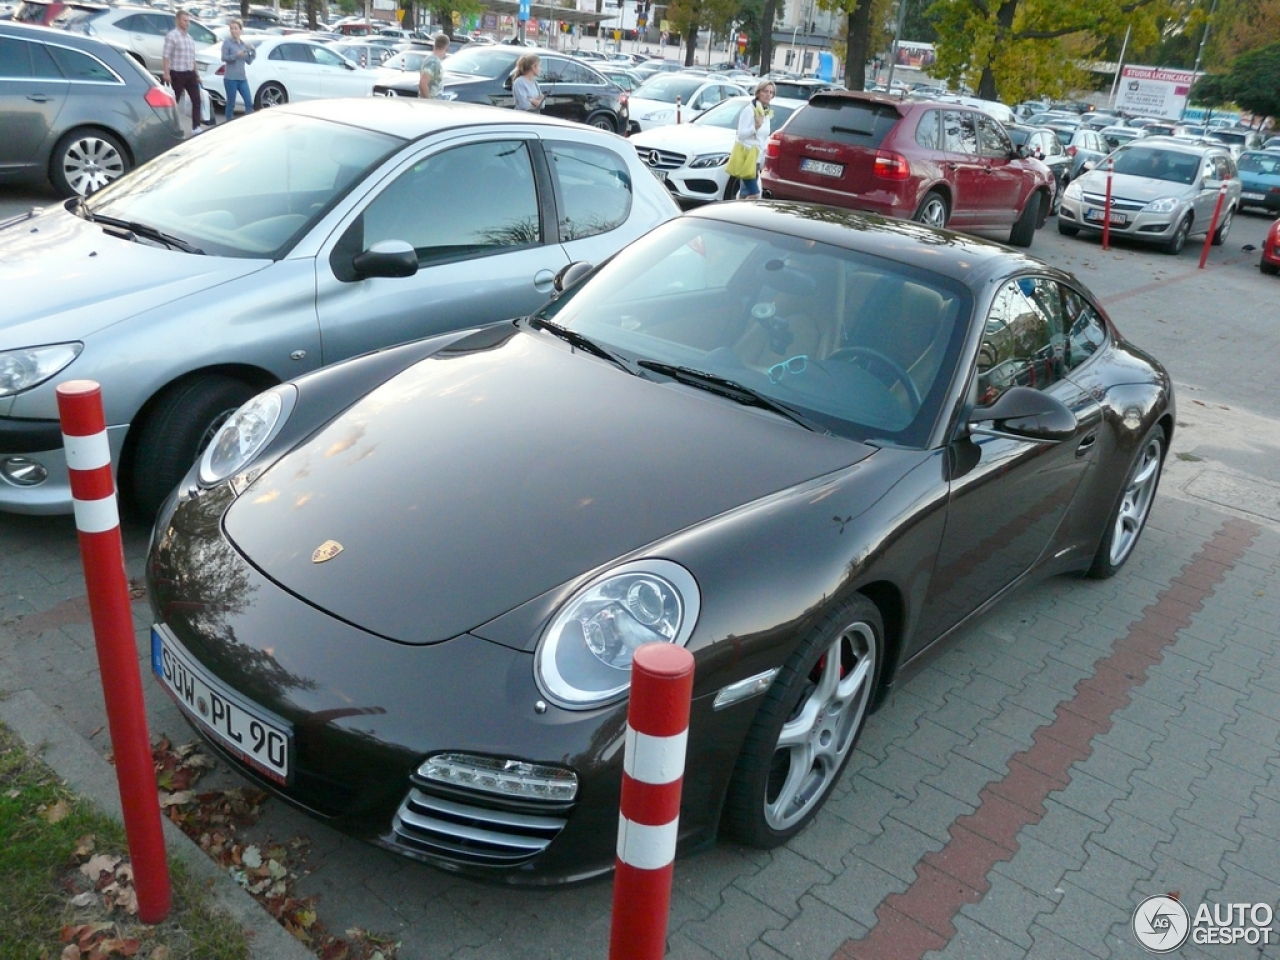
(822, 168)
(1096, 216)
(1253, 196)
(245, 729)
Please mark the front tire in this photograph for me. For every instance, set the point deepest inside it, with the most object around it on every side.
(175, 432)
(1173, 246)
(731, 188)
(1066, 229)
(84, 161)
(1024, 231)
(1129, 516)
(933, 210)
(270, 94)
(806, 728)
(1220, 235)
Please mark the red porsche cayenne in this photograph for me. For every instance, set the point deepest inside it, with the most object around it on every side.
(944, 164)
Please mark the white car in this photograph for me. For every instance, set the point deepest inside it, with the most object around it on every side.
(288, 69)
(653, 103)
(140, 31)
(691, 157)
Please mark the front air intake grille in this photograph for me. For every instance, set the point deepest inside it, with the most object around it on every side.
(1117, 203)
(472, 831)
(661, 159)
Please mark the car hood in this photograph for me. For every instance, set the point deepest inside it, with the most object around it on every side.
(498, 469)
(685, 137)
(642, 105)
(1135, 188)
(65, 279)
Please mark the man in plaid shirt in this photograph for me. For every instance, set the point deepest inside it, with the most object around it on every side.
(179, 69)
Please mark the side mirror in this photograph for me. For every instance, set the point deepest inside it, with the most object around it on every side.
(387, 258)
(1025, 413)
(570, 275)
(1088, 165)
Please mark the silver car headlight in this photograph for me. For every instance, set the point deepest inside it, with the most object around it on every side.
(659, 115)
(1163, 205)
(245, 433)
(28, 367)
(709, 160)
(1073, 190)
(584, 657)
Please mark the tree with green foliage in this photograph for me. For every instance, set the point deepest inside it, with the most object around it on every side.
(443, 11)
(687, 17)
(865, 34)
(1252, 83)
(1022, 48)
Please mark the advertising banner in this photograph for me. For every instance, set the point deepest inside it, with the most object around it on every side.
(1153, 91)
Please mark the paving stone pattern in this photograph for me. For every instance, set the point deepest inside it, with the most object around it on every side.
(1087, 745)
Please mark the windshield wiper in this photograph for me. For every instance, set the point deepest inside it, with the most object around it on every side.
(576, 339)
(130, 230)
(724, 387)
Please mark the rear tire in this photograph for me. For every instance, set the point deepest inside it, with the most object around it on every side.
(84, 161)
(602, 121)
(1270, 269)
(1023, 233)
(175, 433)
(933, 210)
(1129, 516)
(270, 94)
(807, 726)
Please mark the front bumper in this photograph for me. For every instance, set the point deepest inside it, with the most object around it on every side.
(1138, 224)
(40, 442)
(366, 712)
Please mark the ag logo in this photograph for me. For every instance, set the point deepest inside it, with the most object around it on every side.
(1161, 924)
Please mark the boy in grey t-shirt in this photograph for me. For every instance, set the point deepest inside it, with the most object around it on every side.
(431, 75)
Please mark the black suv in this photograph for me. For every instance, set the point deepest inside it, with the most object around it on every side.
(482, 74)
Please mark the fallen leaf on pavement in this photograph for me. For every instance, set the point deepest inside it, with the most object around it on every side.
(58, 812)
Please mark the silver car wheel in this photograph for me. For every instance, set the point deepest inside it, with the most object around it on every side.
(812, 744)
(933, 212)
(91, 162)
(1139, 493)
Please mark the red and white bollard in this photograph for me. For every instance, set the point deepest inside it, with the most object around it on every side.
(1213, 224)
(1106, 211)
(84, 437)
(649, 822)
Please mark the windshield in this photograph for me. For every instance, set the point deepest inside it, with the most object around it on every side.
(1156, 164)
(1234, 139)
(406, 61)
(487, 61)
(862, 346)
(726, 113)
(249, 191)
(666, 89)
(1264, 163)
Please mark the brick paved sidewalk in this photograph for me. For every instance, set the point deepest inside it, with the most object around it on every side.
(1088, 745)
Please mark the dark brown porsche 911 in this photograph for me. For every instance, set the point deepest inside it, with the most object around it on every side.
(807, 444)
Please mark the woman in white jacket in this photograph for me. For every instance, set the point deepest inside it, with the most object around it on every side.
(753, 131)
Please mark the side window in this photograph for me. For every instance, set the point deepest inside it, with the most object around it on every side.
(15, 59)
(1024, 344)
(1086, 333)
(927, 131)
(594, 188)
(156, 24)
(959, 134)
(326, 57)
(201, 34)
(469, 201)
(80, 66)
(553, 70)
(994, 142)
(1224, 171)
(133, 24)
(577, 73)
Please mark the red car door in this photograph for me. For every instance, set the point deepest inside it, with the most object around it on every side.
(962, 166)
(1004, 182)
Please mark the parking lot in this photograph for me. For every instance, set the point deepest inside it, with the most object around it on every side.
(1088, 745)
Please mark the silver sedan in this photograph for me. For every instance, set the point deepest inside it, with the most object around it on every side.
(1163, 191)
(280, 243)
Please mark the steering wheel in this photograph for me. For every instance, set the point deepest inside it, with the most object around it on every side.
(899, 372)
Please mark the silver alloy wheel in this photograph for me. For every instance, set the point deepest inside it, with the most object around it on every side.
(272, 95)
(933, 213)
(1139, 493)
(814, 741)
(90, 163)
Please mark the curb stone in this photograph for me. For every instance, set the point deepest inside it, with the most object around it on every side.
(89, 775)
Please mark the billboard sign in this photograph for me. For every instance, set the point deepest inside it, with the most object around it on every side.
(1153, 91)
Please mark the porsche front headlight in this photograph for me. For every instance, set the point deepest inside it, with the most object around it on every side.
(29, 367)
(245, 433)
(584, 658)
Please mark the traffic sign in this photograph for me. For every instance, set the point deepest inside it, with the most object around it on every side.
(524, 9)
(742, 41)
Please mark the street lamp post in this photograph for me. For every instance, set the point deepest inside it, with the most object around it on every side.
(897, 38)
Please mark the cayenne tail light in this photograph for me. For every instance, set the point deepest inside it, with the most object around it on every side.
(159, 98)
(221, 71)
(891, 166)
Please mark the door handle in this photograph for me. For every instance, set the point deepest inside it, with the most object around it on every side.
(39, 97)
(543, 280)
(1086, 444)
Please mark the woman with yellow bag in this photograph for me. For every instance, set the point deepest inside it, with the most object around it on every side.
(753, 134)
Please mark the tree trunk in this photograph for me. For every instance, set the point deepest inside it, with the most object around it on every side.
(766, 35)
(1004, 26)
(855, 50)
(244, 8)
(691, 45)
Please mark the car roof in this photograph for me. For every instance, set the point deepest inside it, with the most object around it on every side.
(963, 258)
(410, 118)
(1197, 147)
(76, 41)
